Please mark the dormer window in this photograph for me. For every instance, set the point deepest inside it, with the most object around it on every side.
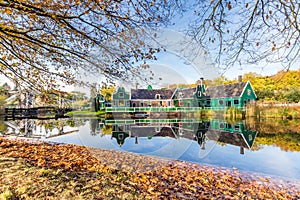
(157, 96)
(199, 94)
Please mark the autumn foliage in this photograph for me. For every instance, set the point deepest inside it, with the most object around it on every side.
(166, 179)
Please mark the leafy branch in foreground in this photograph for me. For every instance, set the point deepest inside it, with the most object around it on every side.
(44, 42)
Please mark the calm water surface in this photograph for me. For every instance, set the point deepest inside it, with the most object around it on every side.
(271, 147)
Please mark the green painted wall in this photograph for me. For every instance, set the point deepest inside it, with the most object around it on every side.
(121, 98)
(239, 102)
(248, 95)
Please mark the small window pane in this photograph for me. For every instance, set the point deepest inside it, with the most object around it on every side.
(221, 125)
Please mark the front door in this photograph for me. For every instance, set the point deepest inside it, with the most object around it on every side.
(228, 103)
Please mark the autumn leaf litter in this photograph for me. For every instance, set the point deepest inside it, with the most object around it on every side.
(39, 170)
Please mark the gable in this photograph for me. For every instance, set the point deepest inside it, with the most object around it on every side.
(121, 94)
(248, 92)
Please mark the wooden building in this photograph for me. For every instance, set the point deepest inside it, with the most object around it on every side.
(152, 97)
(121, 98)
(238, 94)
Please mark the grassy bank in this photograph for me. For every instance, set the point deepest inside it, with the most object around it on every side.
(85, 113)
(272, 110)
(34, 170)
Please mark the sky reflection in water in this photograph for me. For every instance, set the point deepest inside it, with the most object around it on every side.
(214, 142)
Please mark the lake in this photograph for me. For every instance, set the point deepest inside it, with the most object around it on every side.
(270, 147)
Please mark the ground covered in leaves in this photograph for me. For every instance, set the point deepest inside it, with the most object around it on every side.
(38, 170)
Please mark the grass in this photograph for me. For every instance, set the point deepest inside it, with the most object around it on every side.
(83, 113)
(274, 111)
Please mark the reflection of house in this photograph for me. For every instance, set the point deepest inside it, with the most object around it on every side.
(121, 98)
(221, 131)
(234, 134)
(152, 131)
(237, 94)
(193, 131)
(152, 97)
(120, 133)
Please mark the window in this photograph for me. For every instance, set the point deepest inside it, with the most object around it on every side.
(157, 96)
(169, 103)
(221, 125)
(121, 95)
(249, 92)
(236, 102)
(199, 94)
(188, 104)
(229, 126)
(250, 138)
(121, 103)
(121, 136)
(228, 103)
(157, 129)
(236, 127)
(208, 103)
(221, 102)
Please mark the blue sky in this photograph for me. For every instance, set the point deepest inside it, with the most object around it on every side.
(185, 61)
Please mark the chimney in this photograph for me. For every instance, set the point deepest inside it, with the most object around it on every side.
(242, 152)
(240, 78)
(201, 80)
(136, 86)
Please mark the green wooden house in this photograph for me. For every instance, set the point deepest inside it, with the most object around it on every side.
(191, 97)
(99, 102)
(121, 98)
(237, 94)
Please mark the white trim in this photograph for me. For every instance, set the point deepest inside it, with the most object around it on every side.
(248, 82)
(174, 93)
(248, 146)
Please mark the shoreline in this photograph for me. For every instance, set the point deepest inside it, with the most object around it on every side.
(146, 177)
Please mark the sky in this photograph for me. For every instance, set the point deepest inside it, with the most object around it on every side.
(184, 60)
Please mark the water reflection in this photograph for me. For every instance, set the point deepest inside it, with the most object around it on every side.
(216, 130)
(266, 147)
(41, 129)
